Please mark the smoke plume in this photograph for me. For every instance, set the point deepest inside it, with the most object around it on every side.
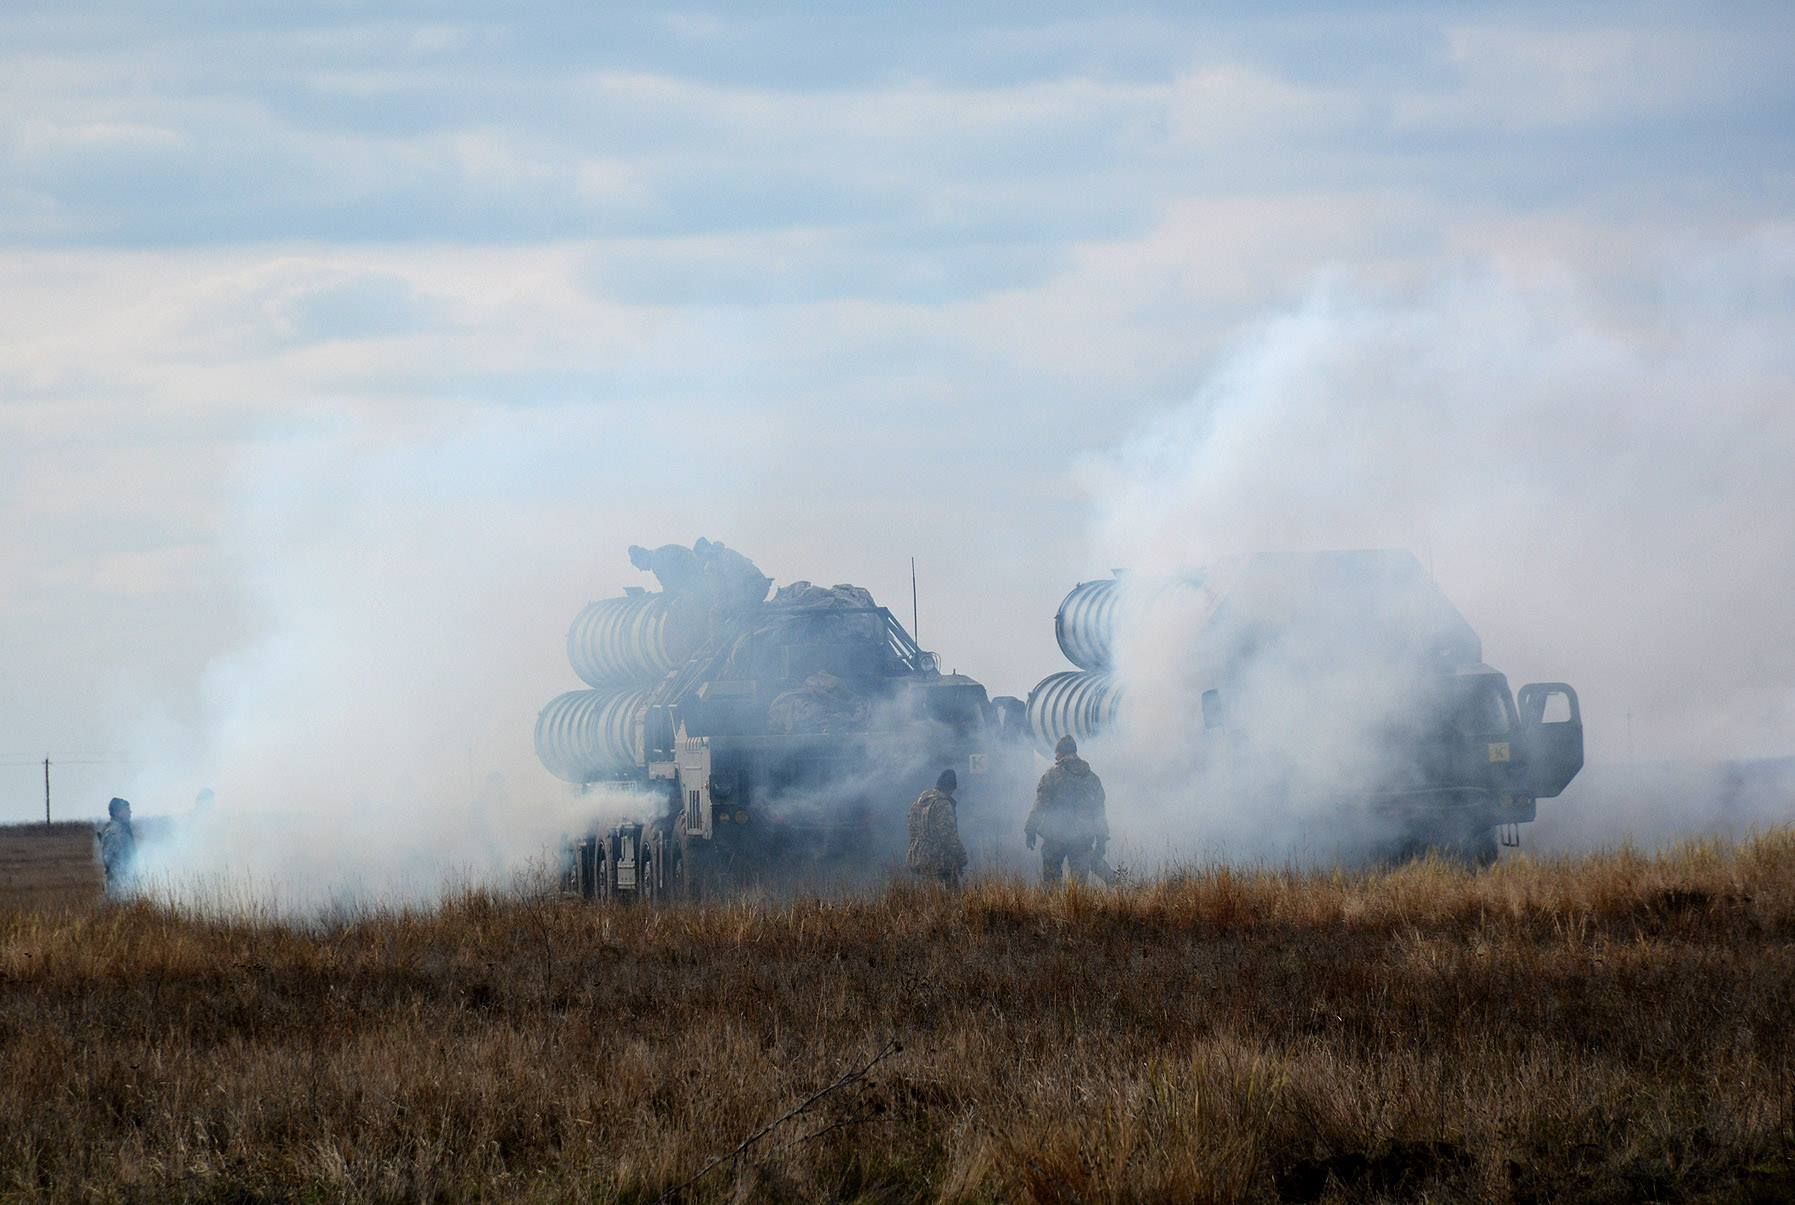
(371, 743)
(1596, 474)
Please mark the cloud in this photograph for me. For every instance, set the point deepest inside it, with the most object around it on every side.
(297, 301)
(1516, 78)
(808, 266)
(1227, 103)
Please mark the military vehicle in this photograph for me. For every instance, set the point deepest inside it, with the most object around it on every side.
(769, 741)
(1338, 685)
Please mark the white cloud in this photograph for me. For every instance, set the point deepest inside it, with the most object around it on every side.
(1522, 79)
(38, 138)
(1225, 104)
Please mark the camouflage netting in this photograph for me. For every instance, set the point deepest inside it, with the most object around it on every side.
(804, 594)
(823, 704)
(815, 602)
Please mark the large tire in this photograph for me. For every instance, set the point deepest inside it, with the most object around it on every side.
(1397, 852)
(1475, 850)
(1479, 850)
(648, 870)
(701, 872)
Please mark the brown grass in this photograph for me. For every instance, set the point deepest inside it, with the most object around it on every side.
(1616, 1028)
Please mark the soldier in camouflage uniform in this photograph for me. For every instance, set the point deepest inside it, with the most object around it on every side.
(118, 847)
(734, 582)
(674, 566)
(1068, 817)
(935, 849)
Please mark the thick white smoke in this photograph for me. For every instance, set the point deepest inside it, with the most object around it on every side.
(1598, 475)
(408, 590)
(372, 743)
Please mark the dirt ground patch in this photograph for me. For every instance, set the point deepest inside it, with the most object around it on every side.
(48, 866)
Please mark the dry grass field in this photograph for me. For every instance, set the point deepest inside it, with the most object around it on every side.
(48, 866)
(1611, 1029)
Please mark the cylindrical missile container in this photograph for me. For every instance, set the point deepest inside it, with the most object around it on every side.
(589, 735)
(1086, 623)
(623, 641)
(1075, 704)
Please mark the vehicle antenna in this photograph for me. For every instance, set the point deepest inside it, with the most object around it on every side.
(914, 627)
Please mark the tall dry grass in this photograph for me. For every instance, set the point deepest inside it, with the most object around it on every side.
(1615, 1028)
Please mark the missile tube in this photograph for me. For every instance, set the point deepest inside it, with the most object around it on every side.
(621, 641)
(588, 735)
(1086, 623)
(1075, 704)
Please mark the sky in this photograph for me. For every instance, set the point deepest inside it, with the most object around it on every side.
(345, 348)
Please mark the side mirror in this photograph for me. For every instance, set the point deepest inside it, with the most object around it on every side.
(1214, 714)
(1552, 732)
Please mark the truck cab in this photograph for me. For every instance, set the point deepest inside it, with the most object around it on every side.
(1464, 761)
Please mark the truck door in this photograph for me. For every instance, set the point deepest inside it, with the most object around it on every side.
(1552, 733)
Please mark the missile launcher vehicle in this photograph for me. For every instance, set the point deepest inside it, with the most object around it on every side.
(768, 741)
(1343, 686)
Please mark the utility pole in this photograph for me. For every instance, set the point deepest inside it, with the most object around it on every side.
(46, 792)
(1629, 734)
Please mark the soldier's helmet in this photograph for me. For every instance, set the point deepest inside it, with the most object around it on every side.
(1066, 746)
(119, 809)
(947, 781)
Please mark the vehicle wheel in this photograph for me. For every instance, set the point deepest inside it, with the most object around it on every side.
(648, 869)
(698, 873)
(1398, 852)
(1479, 850)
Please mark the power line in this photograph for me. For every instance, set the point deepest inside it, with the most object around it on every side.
(73, 759)
(70, 761)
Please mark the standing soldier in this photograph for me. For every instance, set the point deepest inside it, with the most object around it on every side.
(935, 849)
(118, 847)
(1068, 817)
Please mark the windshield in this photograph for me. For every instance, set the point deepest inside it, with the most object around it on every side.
(1482, 707)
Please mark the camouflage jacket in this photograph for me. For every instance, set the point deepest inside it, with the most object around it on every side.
(935, 834)
(118, 845)
(1068, 804)
(676, 568)
(734, 582)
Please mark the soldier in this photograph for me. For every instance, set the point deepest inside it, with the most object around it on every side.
(118, 847)
(735, 583)
(675, 567)
(1068, 817)
(935, 849)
